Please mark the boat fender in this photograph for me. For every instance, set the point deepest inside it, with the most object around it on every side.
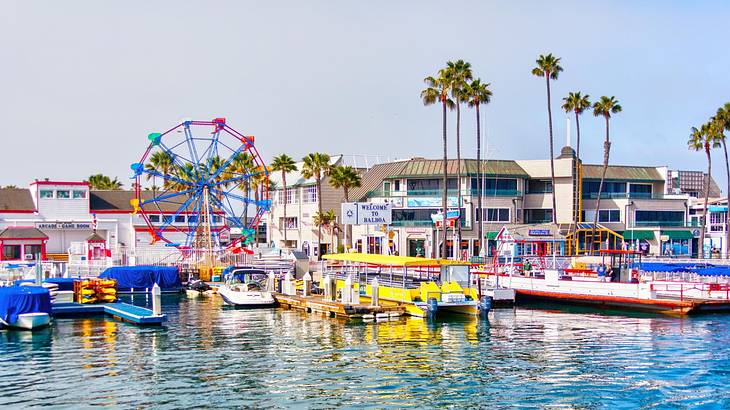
(433, 306)
(485, 305)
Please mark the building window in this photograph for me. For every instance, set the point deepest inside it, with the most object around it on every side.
(32, 250)
(609, 215)
(539, 186)
(429, 186)
(167, 219)
(63, 194)
(217, 219)
(397, 184)
(417, 217)
(290, 222)
(280, 196)
(192, 219)
(46, 193)
(180, 219)
(291, 195)
(11, 252)
(310, 194)
(154, 218)
(386, 188)
(533, 216)
(493, 214)
(659, 218)
(641, 191)
(610, 189)
(79, 194)
(494, 186)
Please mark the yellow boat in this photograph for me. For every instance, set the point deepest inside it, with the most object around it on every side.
(425, 287)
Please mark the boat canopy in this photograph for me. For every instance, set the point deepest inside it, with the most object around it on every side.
(390, 260)
(141, 277)
(17, 300)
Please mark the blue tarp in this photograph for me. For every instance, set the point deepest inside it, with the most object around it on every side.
(703, 269)
(16, 300)
(143, 277)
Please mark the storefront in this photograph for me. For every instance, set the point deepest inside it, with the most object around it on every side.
(676, 243)
(22, 244)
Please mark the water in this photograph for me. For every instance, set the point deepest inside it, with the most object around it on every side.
(213, 356)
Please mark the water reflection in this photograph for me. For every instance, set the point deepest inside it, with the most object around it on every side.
(208, 354)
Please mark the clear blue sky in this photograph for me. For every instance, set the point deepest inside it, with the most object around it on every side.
(84, 82)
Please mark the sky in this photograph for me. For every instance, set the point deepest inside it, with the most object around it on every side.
(84, 82)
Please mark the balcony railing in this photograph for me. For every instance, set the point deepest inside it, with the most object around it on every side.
(683, 224)
(623, 195)
(451, 192)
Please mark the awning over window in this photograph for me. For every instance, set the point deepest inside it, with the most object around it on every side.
(638, 235)
(678, 235)
(491, 235)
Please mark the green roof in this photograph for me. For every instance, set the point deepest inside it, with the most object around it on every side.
(469, 167)
(622, 173)
(674, 235)
(638, 235)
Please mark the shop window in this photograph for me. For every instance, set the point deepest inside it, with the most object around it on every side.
(46, 193)
(63, 194)
(154, 218)
(11, 252)
(79, 194)
(32, 250)
(180, 219)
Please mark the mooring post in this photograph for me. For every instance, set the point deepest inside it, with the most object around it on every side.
(347, 290)
(327, 289)
(156, 302)
(288, 285)
(307, 285)
(374, 292)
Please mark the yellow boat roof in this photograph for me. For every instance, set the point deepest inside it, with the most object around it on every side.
(390, 260)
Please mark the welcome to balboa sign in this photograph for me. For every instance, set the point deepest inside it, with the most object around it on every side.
(367, 213)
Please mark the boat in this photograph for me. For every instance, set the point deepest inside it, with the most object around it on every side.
(25, 307)
(425, 287)
(198, 288)
(623, 287)
(246, 288)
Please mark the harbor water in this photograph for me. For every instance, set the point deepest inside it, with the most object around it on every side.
(208, 355)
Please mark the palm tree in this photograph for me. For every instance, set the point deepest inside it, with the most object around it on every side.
(438, 90)
(10, 187)
(699, 140)
(328, 220)
(478, 93)
(460, 75)
(576, 103)
(317, 166)
(284, 164)
(345, 177)
(604, 107)
(549, 67)
(161, 162)
(723, 121)
(100, 181)
(242, 168)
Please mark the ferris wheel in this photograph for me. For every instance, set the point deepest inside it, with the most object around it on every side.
(211, 179)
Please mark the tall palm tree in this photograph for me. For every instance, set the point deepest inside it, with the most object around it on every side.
(317, 166)
(548, 66)
(576, 103)
(437, 89)
(704, 139)
(604, 107)
(242, 167)
(460, 75)
(100, 181)
(284, 164)
(478, 93)
(723, 120)
(345, 177)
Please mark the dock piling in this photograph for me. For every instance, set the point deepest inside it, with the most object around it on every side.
(307, 285)
(156, 302)
(375, 293)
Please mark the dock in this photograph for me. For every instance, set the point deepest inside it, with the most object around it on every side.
(317, 304)
(121, 311)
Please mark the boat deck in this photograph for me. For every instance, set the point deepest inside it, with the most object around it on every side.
(122, 311)
(316, 303)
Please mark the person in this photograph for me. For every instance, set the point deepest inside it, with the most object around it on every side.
(601, 272)
(527, 267)
(609, 274)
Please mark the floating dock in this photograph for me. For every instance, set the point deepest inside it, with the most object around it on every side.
(122, 311)
(316, 303)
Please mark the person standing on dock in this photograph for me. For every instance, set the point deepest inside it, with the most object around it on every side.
(601, 272)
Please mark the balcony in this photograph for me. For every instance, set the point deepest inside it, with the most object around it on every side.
(622, 195)
(437, 193)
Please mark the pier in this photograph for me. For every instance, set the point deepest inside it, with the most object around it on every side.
(121, 311)
(317, 303)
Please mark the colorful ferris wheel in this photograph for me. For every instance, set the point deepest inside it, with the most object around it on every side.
(207, 180)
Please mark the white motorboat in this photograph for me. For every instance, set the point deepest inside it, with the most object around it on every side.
(31, 321)
(246, 288)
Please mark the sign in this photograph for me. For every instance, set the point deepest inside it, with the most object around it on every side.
(431, 202)
(451, 215)
(696, 233)
(538, 232)
(367, 213)
(664, 238)
(64, 225)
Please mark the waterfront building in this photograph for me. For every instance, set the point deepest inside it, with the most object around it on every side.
(638, 209)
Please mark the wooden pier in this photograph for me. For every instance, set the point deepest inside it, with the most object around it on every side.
(317, 304)
(122, 311)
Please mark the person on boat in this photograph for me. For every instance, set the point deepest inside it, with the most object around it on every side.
(601, 272)
(527, 267)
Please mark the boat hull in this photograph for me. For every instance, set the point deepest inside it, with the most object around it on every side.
(246, 299)
(31, 321)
